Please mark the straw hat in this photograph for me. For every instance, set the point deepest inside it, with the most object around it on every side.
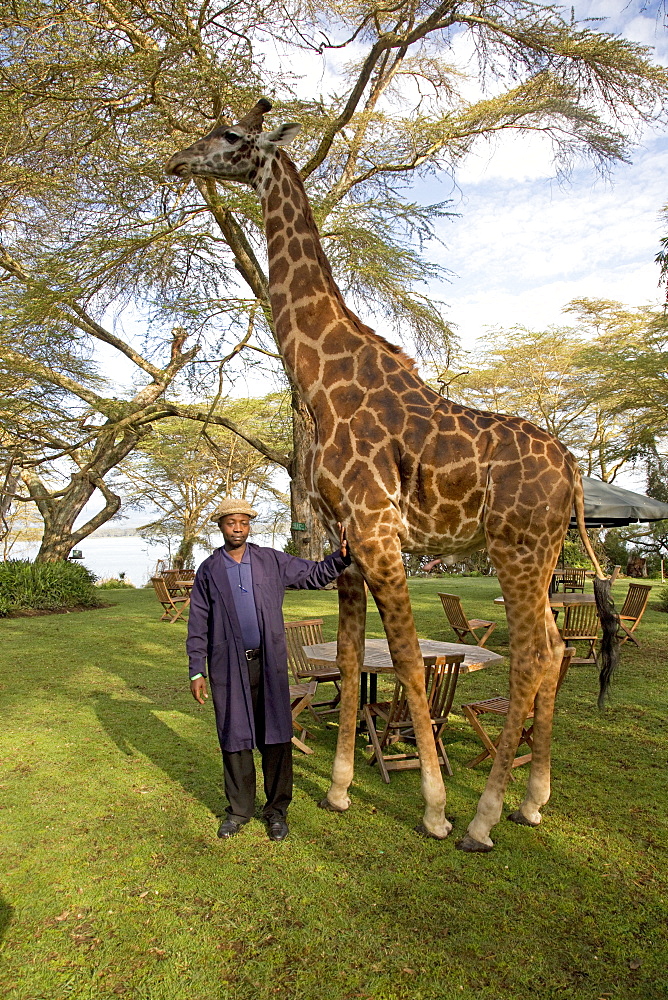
(232, 506)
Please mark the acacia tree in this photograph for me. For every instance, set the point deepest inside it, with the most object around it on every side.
(539, 375)
(107, 431)
(22, 525)
(96, 95)
(183, 470)
(626, 361)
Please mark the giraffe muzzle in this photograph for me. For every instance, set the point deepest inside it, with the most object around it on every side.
(177, 168)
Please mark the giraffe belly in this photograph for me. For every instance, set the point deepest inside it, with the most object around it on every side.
(441, 527)
(443, 511)
(469, 539)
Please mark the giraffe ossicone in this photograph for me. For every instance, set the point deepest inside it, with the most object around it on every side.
(406, 470)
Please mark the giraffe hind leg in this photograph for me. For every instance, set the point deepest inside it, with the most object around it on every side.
(490, 804)
(538, 785)
(530, 660)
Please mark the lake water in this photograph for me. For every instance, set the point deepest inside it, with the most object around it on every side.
(131, 555)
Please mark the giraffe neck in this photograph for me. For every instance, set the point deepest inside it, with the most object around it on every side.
(313, 324)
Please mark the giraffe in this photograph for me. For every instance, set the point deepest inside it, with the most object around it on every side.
(406, 470)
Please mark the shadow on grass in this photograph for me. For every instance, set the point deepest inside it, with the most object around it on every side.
(6, 913)
(133, 726)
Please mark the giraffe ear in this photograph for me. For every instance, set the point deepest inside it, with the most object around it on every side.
(284, 134)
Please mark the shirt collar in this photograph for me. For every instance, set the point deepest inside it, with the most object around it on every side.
(228, 558)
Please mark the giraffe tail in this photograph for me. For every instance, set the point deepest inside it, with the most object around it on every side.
(609, 653)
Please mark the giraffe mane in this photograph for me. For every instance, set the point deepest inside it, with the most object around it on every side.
(362, 328)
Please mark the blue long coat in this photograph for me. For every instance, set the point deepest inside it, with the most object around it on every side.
(214, 636)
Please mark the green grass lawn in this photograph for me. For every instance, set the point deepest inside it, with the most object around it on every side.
(114, 883)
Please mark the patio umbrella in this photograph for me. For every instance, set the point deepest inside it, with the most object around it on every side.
(608, 506)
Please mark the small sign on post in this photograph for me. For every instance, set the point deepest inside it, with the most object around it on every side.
(298, 526)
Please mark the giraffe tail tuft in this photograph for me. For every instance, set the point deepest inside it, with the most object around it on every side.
(609, 654)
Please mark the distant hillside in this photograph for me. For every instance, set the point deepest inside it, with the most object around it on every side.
(114, 533)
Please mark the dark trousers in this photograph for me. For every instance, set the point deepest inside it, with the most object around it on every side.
(239, 767)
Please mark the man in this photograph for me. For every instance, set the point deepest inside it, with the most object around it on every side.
(236, 625)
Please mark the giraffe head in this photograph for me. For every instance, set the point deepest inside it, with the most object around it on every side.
(238, 152)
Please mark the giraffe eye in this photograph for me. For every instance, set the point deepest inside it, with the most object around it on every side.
(231, 137)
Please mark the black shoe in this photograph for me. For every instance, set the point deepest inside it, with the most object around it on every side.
(229, 828)
(277, 829)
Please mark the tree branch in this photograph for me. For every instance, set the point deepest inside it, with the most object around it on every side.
(193, 413)
(81, 320)
(389, 40)
(36, 369)
(111, 507)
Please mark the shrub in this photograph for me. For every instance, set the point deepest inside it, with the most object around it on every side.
(290, 547)
(114, 583)
(663, 599)
(45, 586)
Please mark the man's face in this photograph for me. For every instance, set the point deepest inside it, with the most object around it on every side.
(235, 529)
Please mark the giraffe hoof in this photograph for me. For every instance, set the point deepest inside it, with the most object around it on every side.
(520, 819)
(329, 806)
(424, 832)
(472, 846)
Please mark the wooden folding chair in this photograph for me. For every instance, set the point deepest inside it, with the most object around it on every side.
(301, 698)
(462, 625)
(170, 576)
(441, 675)
(574, 579)
(632, 611)
(309, 633)
(581, 624)
(173, 606)
(499, 707)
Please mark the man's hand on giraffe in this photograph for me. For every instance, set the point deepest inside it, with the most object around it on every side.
(343, 541)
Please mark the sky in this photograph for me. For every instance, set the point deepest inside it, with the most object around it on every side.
(525, 244)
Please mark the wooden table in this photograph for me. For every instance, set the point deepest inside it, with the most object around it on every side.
(377, 659)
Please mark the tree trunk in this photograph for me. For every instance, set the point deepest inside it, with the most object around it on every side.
(59, 515)
(184, 553)
(60, 512)
(308, 540)
(12, 479)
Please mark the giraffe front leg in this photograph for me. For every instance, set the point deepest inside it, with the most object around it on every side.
(384, 571)
(352, 622)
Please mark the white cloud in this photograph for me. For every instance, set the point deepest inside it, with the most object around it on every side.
(638, 20)
(523, 247)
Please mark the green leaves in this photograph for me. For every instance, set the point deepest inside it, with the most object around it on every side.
(567, 380)
(45, 586)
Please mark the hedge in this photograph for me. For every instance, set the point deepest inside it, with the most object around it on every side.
(45, 586)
